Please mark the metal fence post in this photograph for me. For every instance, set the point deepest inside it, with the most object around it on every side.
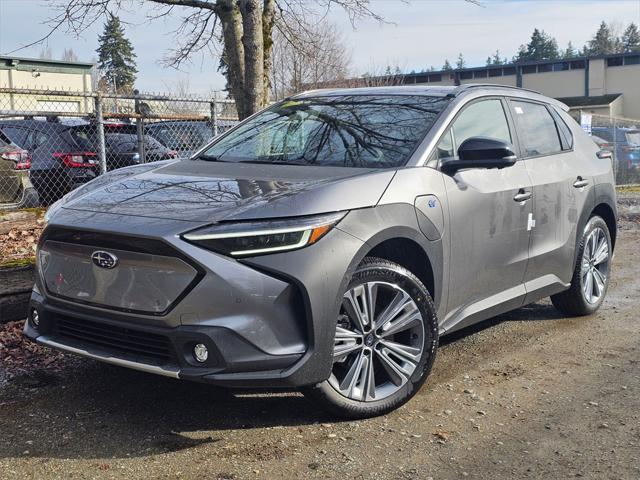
(139, 127)
(615, 153)
(102, 152)
(214, 115)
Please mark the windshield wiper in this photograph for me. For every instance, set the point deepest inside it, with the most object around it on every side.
(209, 158)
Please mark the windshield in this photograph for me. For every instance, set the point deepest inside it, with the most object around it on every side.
(371, 131)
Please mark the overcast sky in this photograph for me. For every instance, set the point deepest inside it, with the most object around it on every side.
(418, 33)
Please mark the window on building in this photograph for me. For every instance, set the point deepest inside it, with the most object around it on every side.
(466, 75)
(435, 77)
(545, 67)
(480, 74)
(560, 66)
(536, 129)
(632, 60)
(495, 72)
(577, 64)
(529, 69)
(615, 61)
(509, 71)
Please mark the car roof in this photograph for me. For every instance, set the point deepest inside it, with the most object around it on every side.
(34, 124)
(432, 91)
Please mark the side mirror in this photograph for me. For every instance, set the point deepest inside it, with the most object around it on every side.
(481, 152)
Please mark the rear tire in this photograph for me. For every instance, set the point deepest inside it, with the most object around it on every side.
(591, 272)
(381, 358)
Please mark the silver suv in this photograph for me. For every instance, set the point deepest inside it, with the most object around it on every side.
(328, 241)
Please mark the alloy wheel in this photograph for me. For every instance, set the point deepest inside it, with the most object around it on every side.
(379, 341)
(595, 265)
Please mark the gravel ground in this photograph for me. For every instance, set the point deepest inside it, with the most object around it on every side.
(529, 394)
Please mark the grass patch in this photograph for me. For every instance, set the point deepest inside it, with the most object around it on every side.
(628, 189)
(18, 262)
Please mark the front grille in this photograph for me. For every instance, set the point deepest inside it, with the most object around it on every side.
(114, 338)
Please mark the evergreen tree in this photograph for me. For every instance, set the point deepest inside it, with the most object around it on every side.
(603, 42)
(460, 63)
(489, 61)
(570, 52)
(541, 47)
(116, 58)
(631, 39)
(496, 60)
(447, 66)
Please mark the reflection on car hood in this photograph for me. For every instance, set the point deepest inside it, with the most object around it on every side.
(212, 191)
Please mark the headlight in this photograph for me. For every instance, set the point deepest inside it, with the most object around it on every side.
(240, 239)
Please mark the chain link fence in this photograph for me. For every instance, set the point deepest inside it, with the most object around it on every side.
(620, 136)
(54, 141)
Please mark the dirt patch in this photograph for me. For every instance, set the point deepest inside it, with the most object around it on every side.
(19, 234)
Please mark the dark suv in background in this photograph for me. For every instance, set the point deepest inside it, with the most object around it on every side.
(16, 190)
(60, 162)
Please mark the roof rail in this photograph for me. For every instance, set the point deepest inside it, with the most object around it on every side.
(469, 86)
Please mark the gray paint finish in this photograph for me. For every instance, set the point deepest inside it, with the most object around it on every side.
(274, 316)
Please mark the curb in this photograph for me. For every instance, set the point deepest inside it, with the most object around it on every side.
(15, 290)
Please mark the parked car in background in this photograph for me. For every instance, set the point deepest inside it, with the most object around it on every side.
(121, 144)
(185, 136)
(59, 163)
(16, 189)
(330, 240)
(624, 143)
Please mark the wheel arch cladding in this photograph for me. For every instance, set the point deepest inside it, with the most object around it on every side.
(605, 211)
(391, 232)
(410, 255)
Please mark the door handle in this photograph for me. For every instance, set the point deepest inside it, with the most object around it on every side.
(522, 196)
(580, 183)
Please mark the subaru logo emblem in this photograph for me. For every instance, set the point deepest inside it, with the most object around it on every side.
(104, 259)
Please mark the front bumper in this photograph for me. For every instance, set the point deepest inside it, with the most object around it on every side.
(266, 321)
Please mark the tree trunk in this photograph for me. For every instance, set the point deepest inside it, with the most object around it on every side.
(268, 20)
(252, 40)
(231, 21)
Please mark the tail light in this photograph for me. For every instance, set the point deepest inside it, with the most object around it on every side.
(77, 159)
(20, 157)
(172, 154)
(630, 148)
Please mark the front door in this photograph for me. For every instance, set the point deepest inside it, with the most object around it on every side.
(489, 210)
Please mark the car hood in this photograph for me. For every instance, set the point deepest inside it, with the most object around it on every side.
(197, 190)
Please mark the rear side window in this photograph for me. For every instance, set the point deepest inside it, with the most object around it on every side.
(16, 134)
(566, 137)
(536, 129)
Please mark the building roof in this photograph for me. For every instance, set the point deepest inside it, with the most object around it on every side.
(599, 100)
(43, 65)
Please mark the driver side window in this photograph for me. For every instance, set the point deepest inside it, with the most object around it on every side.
(485, 118)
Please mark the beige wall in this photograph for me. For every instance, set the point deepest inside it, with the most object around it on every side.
(569, 83)
(625, 80)
(42, 80)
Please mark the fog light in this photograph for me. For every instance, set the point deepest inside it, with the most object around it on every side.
(35, 318)
(200, 353)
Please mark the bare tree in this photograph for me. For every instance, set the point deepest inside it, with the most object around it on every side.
(69, 55)
(312, 57)
(241, 31)
(46, 53)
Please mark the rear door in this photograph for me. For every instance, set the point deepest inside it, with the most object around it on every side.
(561, 185)
(488, 210)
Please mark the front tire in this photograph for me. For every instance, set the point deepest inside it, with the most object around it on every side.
(591, 272)
(385, 344)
